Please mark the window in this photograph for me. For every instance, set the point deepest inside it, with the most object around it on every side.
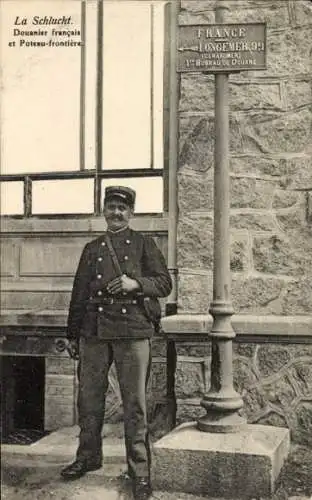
(76, 119)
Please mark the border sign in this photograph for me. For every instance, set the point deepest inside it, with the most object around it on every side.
(221, 47)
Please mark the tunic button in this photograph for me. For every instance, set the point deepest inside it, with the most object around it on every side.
(100, 309)
(123, 310)
(99, 276)
(126, 257)
(100, 292)
(128, 242)
(100, 259)
(103, 243)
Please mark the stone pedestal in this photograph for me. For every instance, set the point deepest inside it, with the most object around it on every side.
(242, 464)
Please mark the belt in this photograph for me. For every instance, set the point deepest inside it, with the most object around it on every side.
(112, 300)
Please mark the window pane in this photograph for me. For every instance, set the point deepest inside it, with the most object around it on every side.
(149, 192)
(63, 196)
(40, 95)
(12, 196)
(127, 85)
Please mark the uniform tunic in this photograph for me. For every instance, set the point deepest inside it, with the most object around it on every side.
(90, 313)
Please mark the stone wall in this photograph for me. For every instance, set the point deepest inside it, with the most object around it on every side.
(274, 380)
(271, 167)
(270, 217)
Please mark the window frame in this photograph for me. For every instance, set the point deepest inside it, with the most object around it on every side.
(98, 174)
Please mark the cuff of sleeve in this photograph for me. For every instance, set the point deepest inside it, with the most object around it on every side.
(143, 289)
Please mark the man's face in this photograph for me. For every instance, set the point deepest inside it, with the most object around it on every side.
(117, 213)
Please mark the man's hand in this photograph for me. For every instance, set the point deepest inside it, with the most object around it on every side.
(122, 284)
(73, 349)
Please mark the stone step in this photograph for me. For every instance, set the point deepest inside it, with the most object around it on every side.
(60, 447)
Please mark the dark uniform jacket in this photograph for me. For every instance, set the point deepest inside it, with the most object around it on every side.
(92, 312)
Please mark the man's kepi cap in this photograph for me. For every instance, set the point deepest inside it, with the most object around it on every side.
(126, 194)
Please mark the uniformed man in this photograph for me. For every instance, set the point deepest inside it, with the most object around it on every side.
(108, 322)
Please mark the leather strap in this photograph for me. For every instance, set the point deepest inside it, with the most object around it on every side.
(113, 255)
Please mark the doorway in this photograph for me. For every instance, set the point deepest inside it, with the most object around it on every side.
(22, 388)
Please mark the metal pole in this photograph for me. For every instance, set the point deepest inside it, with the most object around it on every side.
(174, 85)
(222, 402)
(99, 109)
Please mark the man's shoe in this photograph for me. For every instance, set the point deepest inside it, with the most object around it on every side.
(78, 469)
(142, 489)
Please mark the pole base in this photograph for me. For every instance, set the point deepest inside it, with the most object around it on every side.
(241, 465)
(215, 421)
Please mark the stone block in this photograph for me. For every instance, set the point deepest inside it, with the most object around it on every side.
(239, 254)
(195, 14)
(195, 242)
(197, 92)
(244, 464)
(272, 132)
(301, 372)
(279, 393)
(159, 347)
(283, 55)
(297, 172)
(245, 350)
(197, 140)
(298, 93)
(61, 386)
(303, 13)
(303, 433)
(274, 256)
(255, 294)
(254, 402)
(273, 418)
(243, 375)
(159, 377)
(248, 96)
(251, 192)
(271, 358)
(300, 350)
(189, 410)
(60, 365)
(272, 12)
(58, 415)
(258, 165)
(253, 221)
(195, 192)
(195, 292)
(190, 379)
(284, 198)
(201, 349)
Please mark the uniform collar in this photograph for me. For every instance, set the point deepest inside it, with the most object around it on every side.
(119, 231)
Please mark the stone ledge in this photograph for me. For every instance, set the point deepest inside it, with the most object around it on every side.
(187, 327)
(179, 327)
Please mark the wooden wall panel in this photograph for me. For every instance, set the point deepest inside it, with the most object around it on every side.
(9, 258)
(51, 256)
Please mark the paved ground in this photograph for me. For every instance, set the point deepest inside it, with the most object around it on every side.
(32, 472)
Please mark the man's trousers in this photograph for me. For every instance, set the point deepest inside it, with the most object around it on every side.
(133, 361)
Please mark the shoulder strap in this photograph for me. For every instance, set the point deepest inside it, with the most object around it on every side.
(113, 254)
